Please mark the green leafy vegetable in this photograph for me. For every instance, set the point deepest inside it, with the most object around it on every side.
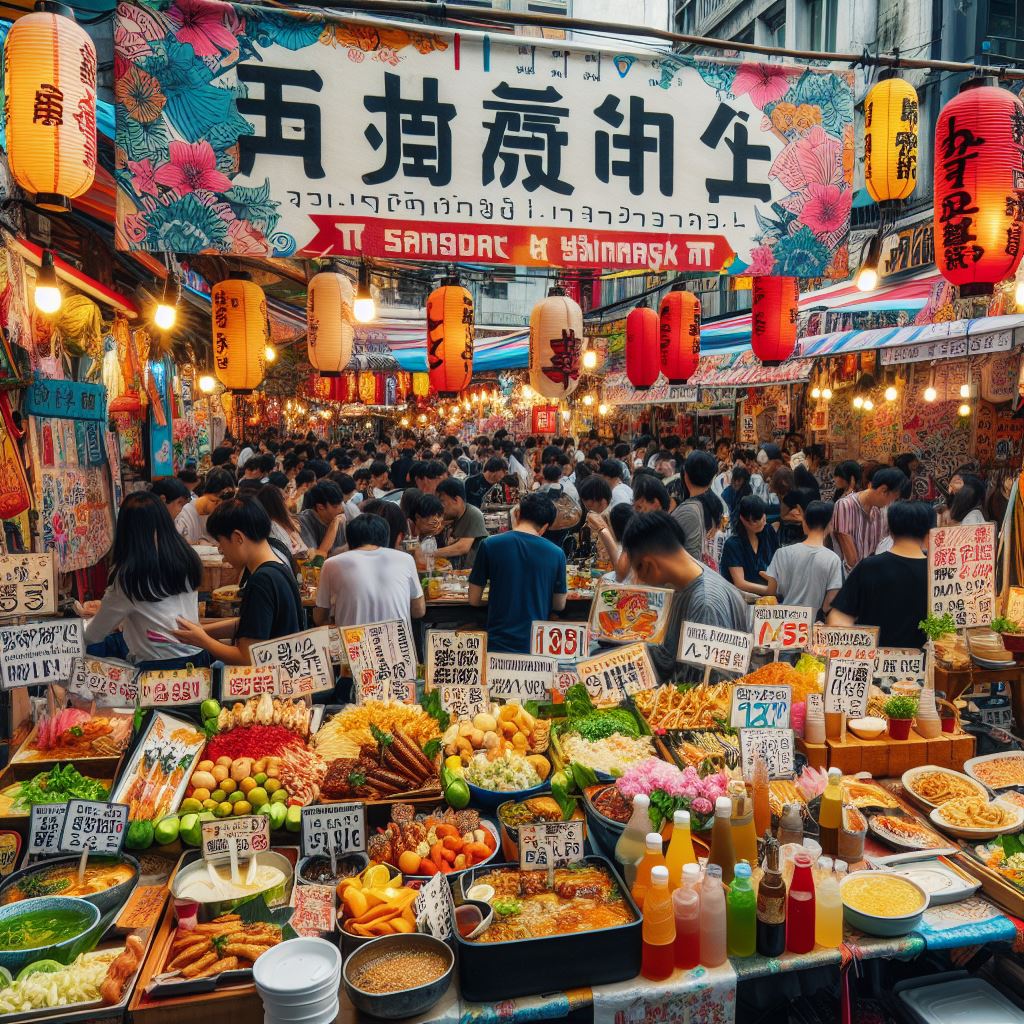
(577, 701)
(599, 725)
(900, 707)
(431, 703)
(507, 906)
(1001, 625)
(432, 748)
(59, 784)
(936, 626)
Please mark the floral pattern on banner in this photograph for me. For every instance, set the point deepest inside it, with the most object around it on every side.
(705, 995)
(178, 123)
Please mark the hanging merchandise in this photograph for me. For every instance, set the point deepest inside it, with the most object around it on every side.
(979, 208)
(450, 338)
(15, 496)
(330, 328)
(679, 317)
(643, 354)
(240, 333)
(890, 140)
(421, 384)
(367, 387)
(773, 318)
(556, 340)
(50, 105)
(161, 425)
(80, 327)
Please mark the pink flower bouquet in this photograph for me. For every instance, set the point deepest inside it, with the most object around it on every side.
(672, 790)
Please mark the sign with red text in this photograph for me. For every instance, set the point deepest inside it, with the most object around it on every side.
(518, 678)
(162, 687)
(760, 707)
(247, 834)
(727, 650)
(28, 584)
(847, 682)
(611, 675)
(464, 703)
(782, 627)
(240, 682)
(774, 746)
(566, 641)
(40, 652)
(860, 642)
(93, 825)
(544, 419)
(111, 683)
(315, 909)
(303, 660)
(455, 658)
(549, 844)
(961, 573)
(565, 676)
(382, 658)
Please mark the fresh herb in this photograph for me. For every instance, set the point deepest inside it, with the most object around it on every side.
(432, 748)
(382, 738)
(599, 725)
(900, 707)
(936, 626)
(356, 778)
(37, 885)
(76, 730)
(507, 906)
(1003, 625)
(431, 703)
(57, 786)
(663, 807)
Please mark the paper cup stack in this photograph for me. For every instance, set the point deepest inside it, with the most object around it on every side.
(299, 981)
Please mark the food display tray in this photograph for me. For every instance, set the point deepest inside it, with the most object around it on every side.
(554, 963)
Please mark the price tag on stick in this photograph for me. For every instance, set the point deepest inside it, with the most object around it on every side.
(45, 827)
(434, 908)
(761, 707)
(334, 830)
(550, 844)
(228, 839)
(847, 681)
(774, 746)
(93, 825)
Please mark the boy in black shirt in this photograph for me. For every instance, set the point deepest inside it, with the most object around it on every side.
(271, 606)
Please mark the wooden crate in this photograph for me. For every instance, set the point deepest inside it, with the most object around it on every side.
(887, 757)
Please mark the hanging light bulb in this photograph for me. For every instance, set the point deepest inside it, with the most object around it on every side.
(858, 402)
(588, 399)
(527, 392)
(270, 353)
(930, 394)
(815, 392)
(466, 406)
(867, 276)
(364, 309)
(566, 415)
(208, 385)
(1018, 296)
(891, 393)
(965, 390)
(602, 410)
(868, 405)
(404, 421)
(368, 424)
(964, 410)
(47, 292)
(590, 359)
(826, 393)
(166, 312)
(422, 417)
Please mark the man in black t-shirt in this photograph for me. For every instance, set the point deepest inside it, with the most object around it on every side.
(271, 606)
(891, 590)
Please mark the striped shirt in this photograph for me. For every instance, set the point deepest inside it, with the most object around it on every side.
(864, 526)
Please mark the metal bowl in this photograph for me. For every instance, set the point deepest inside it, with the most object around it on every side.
(408, 1002)
(358, 862)
(106, 901)
(275, 896)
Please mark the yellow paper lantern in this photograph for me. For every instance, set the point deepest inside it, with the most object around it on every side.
(450, 337)
(556, 340)
(240, 333)
(50, 101)
(330, 329)
(890, 140)
(421, 384)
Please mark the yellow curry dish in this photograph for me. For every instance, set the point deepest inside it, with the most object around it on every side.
(878, 894)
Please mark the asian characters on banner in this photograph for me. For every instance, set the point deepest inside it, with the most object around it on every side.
(330, 324)
(556, 343)
(544, 419)
(240, 334)
(758, 170)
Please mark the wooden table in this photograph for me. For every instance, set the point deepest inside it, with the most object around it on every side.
(455, 613)
(956, 682)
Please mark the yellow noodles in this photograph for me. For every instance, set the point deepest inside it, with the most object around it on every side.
(881, 895)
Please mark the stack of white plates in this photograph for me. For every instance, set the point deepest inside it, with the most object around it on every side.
(299, 981)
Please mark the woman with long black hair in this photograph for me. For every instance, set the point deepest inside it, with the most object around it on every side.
(748, 552)
(154, 579)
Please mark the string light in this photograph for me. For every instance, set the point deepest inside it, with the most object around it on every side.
(566, 415)
(868, 405)
(588, 399)
(590, 359)
(964, 410)
(47, 291)
(528, 392)
(858, 402)
(368, 424)
(422, 418)
(930, 394)
(826, 393)
(815, 392)
(270, 353)
(891, 393)
(208, 385)
(364, 309)
(404, 421)
(166, 312)
(602, 409)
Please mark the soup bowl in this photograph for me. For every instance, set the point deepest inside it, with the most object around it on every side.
(42, 910)
(46, 880)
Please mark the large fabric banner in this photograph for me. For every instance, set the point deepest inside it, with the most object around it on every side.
(260, 132)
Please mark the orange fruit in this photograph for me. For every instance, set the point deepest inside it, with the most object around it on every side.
(409, 863)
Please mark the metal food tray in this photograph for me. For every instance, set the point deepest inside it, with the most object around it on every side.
(553, 963)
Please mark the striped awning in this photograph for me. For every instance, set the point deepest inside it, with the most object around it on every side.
(495, 348)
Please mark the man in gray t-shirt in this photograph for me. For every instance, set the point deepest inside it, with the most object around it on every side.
(654, 542)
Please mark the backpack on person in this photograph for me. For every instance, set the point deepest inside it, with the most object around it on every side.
(567, 512)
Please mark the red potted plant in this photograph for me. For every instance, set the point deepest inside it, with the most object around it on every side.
(900, 711)
(1012, 636)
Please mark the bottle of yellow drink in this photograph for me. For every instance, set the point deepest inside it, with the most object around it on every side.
(680, 849)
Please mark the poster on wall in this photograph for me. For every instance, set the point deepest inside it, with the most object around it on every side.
(161, 435)
(583, 157)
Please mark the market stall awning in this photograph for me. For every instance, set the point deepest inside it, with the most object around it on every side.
(495, 348)
(922, 342)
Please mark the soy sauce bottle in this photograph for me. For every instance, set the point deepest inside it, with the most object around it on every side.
(771, 904)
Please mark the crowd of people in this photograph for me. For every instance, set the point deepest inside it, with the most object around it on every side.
(721, 526)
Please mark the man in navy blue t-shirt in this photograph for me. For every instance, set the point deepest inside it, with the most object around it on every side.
(526, 574)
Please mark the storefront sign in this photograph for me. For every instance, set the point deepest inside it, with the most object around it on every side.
(464, 703)
(582, 157)
(859, 642)
(624, 614)
(612, 674)
(93, 825)
(340, 828)
(519, 677)
(847, 682)
(380, 654)
(455, 658)
(899, 665)
(302, 659)
(434, 909)
(163, 687)
(550, 844)
(949, 348)
(112, 684)
(544, 419)
(66, 399)
(27, 585)
(760, 707)
(727, 650)
(44, 828)
(774, 746)
(566, 641)
(40, 652)
(245, 835)
(961, 570)
(315, 909)
(782, 627)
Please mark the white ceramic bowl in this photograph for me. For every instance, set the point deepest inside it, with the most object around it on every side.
(297, 970)
(911, 774)
(869, 727)
(874, 924)
(1014, 824)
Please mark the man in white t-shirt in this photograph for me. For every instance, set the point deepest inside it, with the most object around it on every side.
(370, 582)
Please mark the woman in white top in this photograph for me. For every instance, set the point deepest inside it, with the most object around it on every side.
(191, 521)
(154, 580)
(283, 525)
(966, 507)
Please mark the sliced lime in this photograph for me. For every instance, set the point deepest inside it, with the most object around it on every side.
(40, 967)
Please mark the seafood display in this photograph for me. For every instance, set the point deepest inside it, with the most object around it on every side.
(74, 734)
(226, 943)
(428, 844)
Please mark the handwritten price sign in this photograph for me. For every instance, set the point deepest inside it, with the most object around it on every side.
(93, 825)
(249, 834)
(857, 642)
(519, 677)
(240, 682)
(961, 571)
(725, 649)
(761, 707)
(465, 702)
(847, 682)
(314, 910)
(339, 827)
(375, 688)
(455, 658)
(112, 684)
(773, 746)
(782, 627)
(566, 641)
(45, 827)
(175, 686)
(434, 908)
(897, 664)
(614, 673)
(40, 652)
(550, 844)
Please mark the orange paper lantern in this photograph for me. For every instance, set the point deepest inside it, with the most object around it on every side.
(240, 333)
(450, 337)
(330, 329)
(50, 103)
(773, 318)
(890, 140)
(679, 319)
(643, 347)
(979, 177)
(421, 384)
(556, 340)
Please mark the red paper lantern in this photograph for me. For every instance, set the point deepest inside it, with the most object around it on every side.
(979, 177)
(773, 318)
(450, 337)
(643, 347)
(679, 316)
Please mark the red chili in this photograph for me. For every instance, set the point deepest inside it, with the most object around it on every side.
(254, 741)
